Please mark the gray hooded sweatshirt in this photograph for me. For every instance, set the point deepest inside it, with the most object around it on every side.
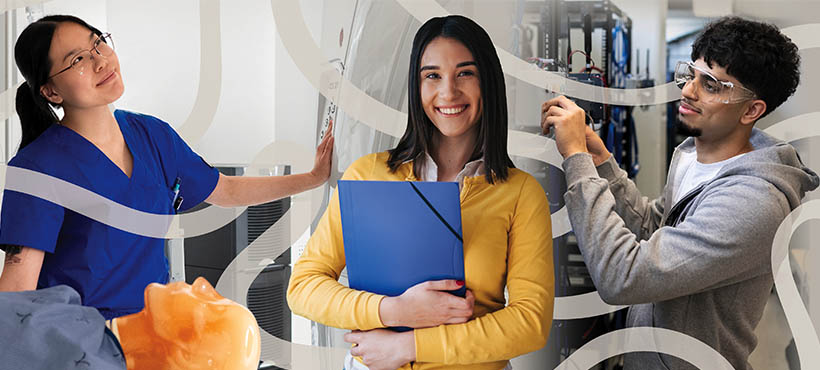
(702, 266)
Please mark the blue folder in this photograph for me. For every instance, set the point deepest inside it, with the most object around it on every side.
(399, 233)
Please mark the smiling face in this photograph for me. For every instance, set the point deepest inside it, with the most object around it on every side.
(450, 88)
(100, 83)
(706, 119)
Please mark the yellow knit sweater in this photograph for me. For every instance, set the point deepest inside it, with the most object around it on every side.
(507, 243)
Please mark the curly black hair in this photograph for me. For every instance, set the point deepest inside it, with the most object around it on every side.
(757, 54)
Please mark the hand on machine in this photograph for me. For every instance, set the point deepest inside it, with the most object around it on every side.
(566, 122)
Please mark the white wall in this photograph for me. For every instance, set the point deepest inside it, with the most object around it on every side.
(296, 99)
(160, 62)
(158, 43)
(246, 119)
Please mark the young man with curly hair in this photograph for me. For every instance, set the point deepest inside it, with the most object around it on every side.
(697, 260)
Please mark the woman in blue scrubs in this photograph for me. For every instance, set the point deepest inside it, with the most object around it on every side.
(136, 160)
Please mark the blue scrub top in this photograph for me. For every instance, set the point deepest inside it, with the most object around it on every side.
(110, 268)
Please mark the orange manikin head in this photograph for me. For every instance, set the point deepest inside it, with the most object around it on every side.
(189, 327)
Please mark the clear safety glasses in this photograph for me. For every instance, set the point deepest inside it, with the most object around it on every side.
(84, 60)
(712, 89)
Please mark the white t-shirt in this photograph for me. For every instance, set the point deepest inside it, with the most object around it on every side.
(691, 173)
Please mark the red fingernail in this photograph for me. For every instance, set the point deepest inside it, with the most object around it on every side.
(459, 282)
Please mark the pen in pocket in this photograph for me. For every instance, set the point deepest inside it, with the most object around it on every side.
(177, 198)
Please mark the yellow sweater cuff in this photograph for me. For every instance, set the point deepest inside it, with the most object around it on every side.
(430, 344)
(373, 315)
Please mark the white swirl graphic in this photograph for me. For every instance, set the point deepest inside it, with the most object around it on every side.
(7, 104)
(364, 108)
(800, 323)
(210, 74)
(796, 128)
(646, 339)
(582, 306)
(111, 213)
(804, 35)
(358, 104)
(513, 66)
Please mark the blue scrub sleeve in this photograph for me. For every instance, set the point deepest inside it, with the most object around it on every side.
(197, 178)
(29, 221)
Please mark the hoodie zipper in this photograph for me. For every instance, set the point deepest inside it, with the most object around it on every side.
(676, 215)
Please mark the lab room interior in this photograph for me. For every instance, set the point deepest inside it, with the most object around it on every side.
(409, 184)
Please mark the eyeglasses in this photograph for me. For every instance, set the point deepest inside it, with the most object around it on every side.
(80, 62)
(714, 90)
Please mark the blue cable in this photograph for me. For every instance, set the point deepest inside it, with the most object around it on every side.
(619, 60)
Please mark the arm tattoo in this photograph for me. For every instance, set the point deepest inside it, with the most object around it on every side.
(13, 260)
(13, 254)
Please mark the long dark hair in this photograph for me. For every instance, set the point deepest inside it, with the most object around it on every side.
(31, 55)
(492, 126)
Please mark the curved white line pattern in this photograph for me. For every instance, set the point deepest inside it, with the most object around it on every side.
(116, 215)
(543, 149)
(241, 272)
(514, 66)
(582, 306)
(111, 213)
(800, 323)
(210, 74)
(361, 106)
(646, 339)
(325, 78)
(357, 104)
(308, 58)
(521, 144)
(796, 128)
(560, 222)
(86, 202)
(804, 35)
(7, 102)
(79, 200)
(288, 17)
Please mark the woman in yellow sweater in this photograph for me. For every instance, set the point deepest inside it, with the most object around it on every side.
(456, 131)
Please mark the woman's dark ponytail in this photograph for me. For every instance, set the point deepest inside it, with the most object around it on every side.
(35, 117)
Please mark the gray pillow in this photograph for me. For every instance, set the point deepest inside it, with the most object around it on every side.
(50, 329)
